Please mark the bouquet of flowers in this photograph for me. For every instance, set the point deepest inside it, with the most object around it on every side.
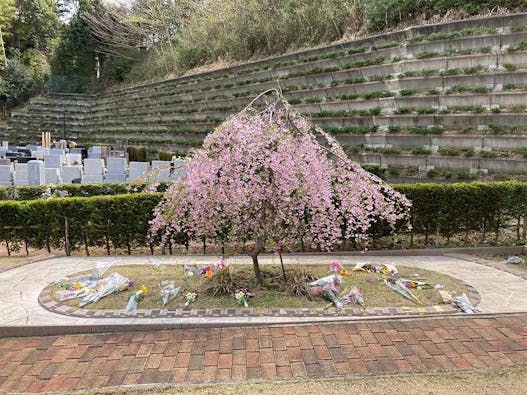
(334, 279)
(131, 307)
(189, 271)
(335, 266)
(190, 297)
(242, 296)
(114, 283)
(220, 265)
(168, 291)
(331, 294)
(354, 296)
(398, 286)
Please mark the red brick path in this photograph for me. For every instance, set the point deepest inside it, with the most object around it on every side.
(207, 355)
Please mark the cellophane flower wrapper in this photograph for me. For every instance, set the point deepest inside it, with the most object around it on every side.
(463, 303)
(354, 296)
(334, 279)
(190, 271)
(397, 286)
(242, 296)
(168, 291)
(76, 287)
(133, 302)
(190, 297)
(331, 294)
(220, 266)
(335, 266)
(114, 283)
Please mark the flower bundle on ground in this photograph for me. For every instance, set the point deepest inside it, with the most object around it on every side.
(242, 296)
(190, 297)
(135, 298)
(168, 291)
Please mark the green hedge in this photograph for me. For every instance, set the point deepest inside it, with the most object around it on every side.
(74, 190)
(449, 209)
(119, 221)
(122, 221)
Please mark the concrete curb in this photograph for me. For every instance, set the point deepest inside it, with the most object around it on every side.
(56, 330)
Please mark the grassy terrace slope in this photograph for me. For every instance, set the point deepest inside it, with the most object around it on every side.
(430, 99)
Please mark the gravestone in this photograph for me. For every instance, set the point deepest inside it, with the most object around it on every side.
(93, 167)
(71, 174)
(73, 159)
(53, 176)
(53, 161)
(56, 151)
(163, 170)
(137, 170)
(6, 174)
(95, 152)
(37, 154)
(93, 171)
(36, 172)
(180, 169)
(21, 176)
(115, 170)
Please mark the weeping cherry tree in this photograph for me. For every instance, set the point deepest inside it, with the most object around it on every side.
(262, 178)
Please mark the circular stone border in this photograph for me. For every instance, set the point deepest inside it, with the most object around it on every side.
(46, 301)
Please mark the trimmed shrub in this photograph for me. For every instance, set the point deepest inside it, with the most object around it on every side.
(122, 221)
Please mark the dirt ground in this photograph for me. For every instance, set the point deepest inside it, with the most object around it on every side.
(509, 381)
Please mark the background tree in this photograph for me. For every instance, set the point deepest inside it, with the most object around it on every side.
(7, 14)
(76, 50)
(261, 178)
(35, 25)
(28, 30)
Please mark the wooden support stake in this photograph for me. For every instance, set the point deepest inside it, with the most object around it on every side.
(67, 236)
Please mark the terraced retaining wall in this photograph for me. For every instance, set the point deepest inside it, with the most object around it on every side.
(455, 85)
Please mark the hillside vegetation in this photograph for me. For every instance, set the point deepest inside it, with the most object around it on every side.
(152, 39)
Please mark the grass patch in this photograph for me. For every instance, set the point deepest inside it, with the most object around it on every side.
(274, 293)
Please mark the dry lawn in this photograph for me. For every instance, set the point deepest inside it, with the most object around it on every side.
(509, 381)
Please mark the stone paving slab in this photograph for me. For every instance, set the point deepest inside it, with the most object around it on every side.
(21, 286)
(78, 362)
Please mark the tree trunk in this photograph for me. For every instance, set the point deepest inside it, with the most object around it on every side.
(524, 232)
(258, 247)
(67, 236)
(282, 263)
(256, 268)
(86, 249)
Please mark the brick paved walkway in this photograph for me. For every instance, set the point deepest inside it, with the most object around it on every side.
(216, 355)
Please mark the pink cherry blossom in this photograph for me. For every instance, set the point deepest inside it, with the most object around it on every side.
(262, 178)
